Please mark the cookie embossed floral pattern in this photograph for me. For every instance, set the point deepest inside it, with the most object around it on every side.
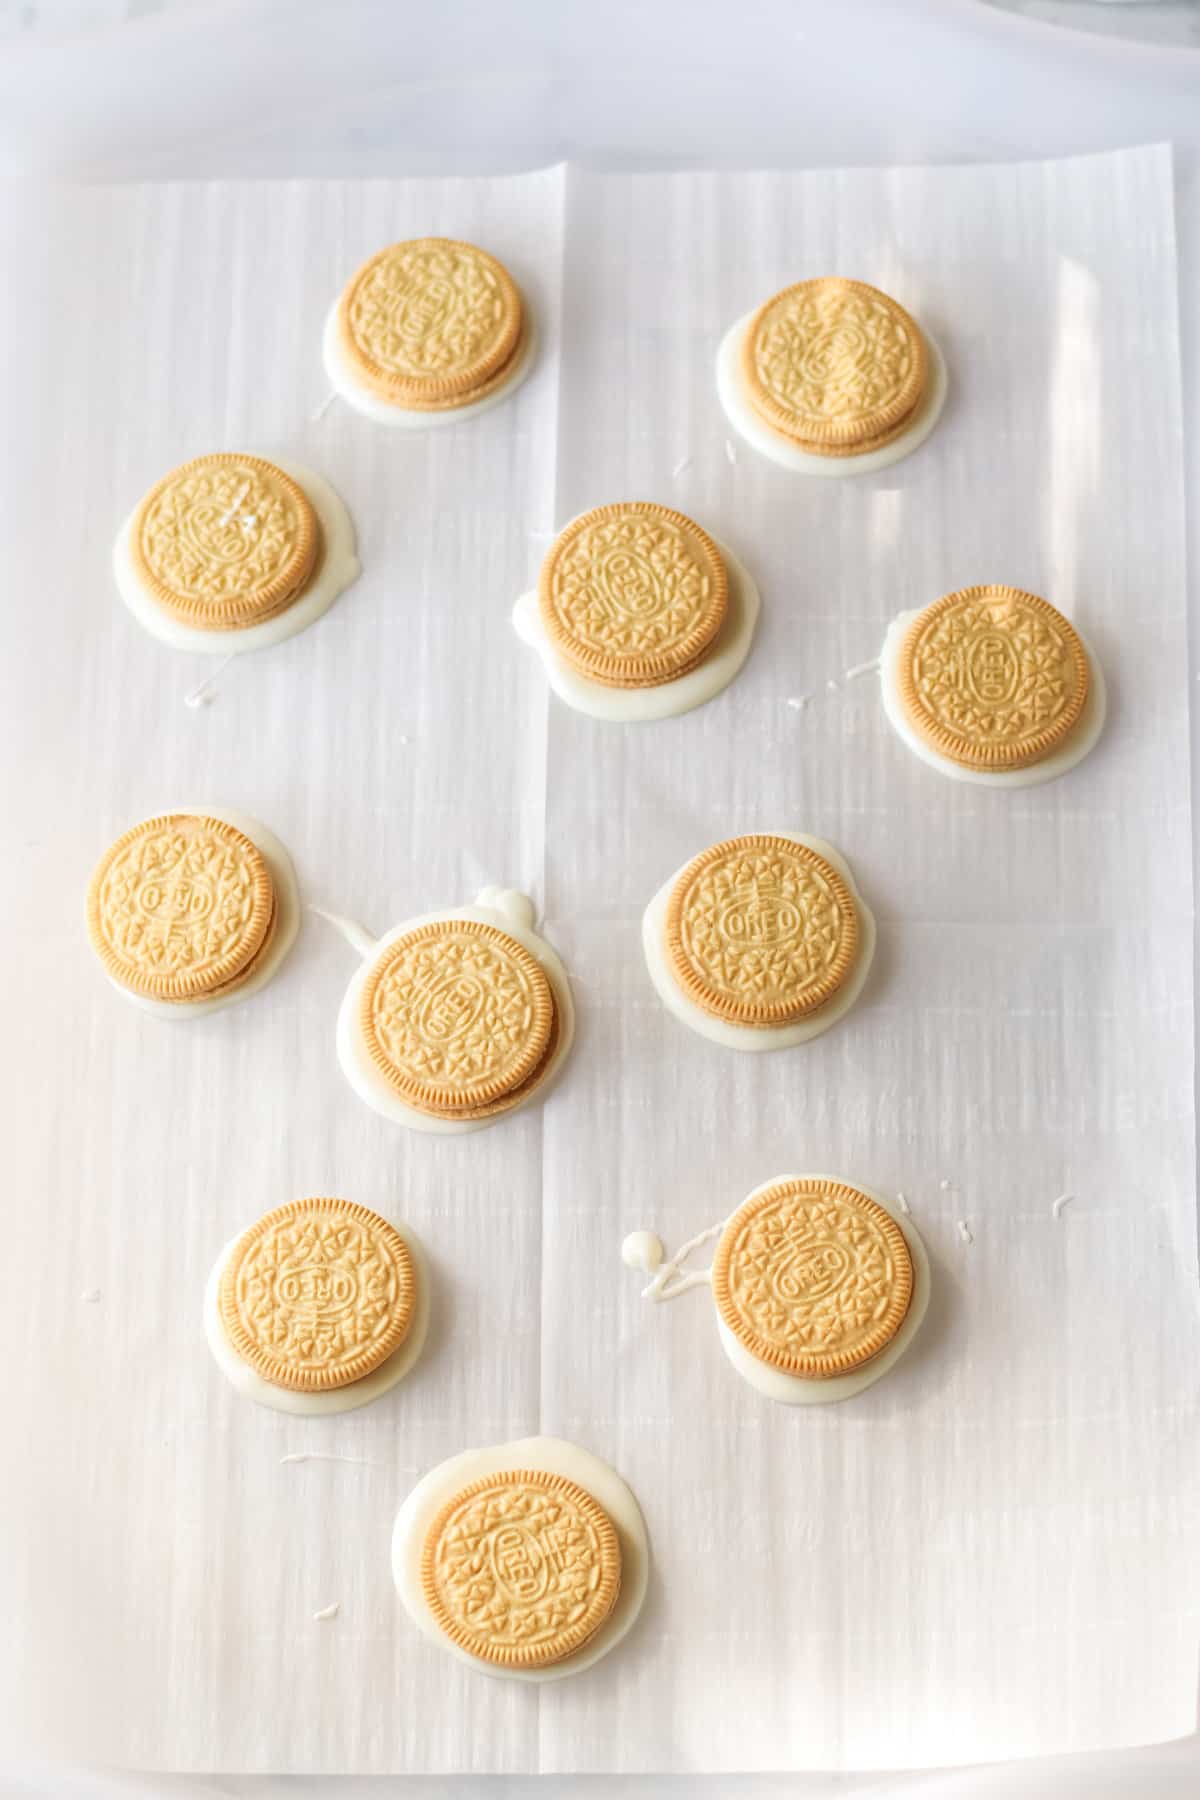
(457, 1014)
(815, 1277)
(761, 930)
(634, 592)
(318, 1293)
(225, 540)
(833, 354)
(993, 677)
(522, 1568)
(180, 905)
(433, 308)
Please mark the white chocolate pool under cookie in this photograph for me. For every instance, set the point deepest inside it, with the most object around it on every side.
(702, 681)
(428, 332)
(316, 1290)
(984, 693)
(440, 1027)
(221, 530)
(819, 1286)
(525, 1571)
(831, 377)
(182, 893)
(753, 916)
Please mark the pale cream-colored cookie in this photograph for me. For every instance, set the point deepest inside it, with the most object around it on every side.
(633, 594)
(813, 1277)
(836, 366)
(317, 1294)
(225, 542)
(992, 677)
(760, 930)
(459, 1018)
(431, 324)
(182, 907)
(521, 1568)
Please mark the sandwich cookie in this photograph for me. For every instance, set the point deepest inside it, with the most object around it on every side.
(230, 553)
(455, 1019)
(819, 1286)
(760, 942)
(428, 332)
(638, 614)
(831, 377)
(192, 910)
(318, 1308)
(529, 1560)
(992, 685)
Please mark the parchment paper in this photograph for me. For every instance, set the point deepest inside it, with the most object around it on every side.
(991, 1553)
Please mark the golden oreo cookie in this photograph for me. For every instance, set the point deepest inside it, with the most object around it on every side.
(812, 1277)
(225, 542)
(836, 366)
(633, 594)
(181, 907)
(992, 678)
(431, 324)
(459, 1018)
(760, 931)
(317, 1294)
(521, 1568)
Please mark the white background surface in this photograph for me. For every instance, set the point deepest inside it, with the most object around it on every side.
(1042, 91)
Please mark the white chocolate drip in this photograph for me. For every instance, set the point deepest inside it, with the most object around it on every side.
(357, 936)
(517, 908)
(304, 1456)
(644, 1250)
(834, 684)
(203, 694)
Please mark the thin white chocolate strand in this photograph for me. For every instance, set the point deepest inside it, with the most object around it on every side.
(643, 1250)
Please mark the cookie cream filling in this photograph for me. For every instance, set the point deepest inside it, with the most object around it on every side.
(507, 911)
(762, 437)
(348, 384)
(254, 1386)
(668, 698)
(287, 922)
(766, 1037)
(337, 567)
(555, 1457)
(1082, 739)
(643, 1250)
